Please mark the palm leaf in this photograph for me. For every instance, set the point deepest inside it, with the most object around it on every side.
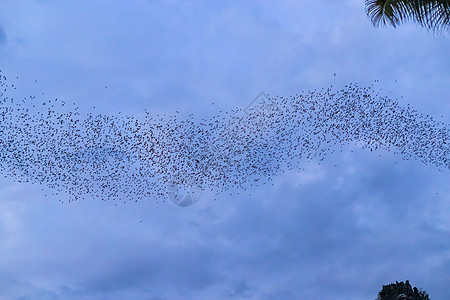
(431, 14)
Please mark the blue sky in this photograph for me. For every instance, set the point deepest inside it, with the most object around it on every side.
(326, 233)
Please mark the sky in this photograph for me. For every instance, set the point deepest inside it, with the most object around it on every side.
(338, 229)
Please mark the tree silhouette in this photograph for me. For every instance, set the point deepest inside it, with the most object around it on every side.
(431, 14)
(401, 291)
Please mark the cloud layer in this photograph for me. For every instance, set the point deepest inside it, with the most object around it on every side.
(340, 229)
(2, 36)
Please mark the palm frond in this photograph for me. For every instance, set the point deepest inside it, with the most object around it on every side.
(431, 14)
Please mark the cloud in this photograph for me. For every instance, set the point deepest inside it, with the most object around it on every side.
(339, 230)
(2, 36)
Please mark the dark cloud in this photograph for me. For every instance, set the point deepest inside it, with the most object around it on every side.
(177, 268)
(242, 290)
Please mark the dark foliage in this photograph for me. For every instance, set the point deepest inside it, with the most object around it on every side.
(403, 291)
(431, 14)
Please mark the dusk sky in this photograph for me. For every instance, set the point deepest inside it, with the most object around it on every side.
(337, 229)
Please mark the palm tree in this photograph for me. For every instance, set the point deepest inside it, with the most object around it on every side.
(431, 14)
